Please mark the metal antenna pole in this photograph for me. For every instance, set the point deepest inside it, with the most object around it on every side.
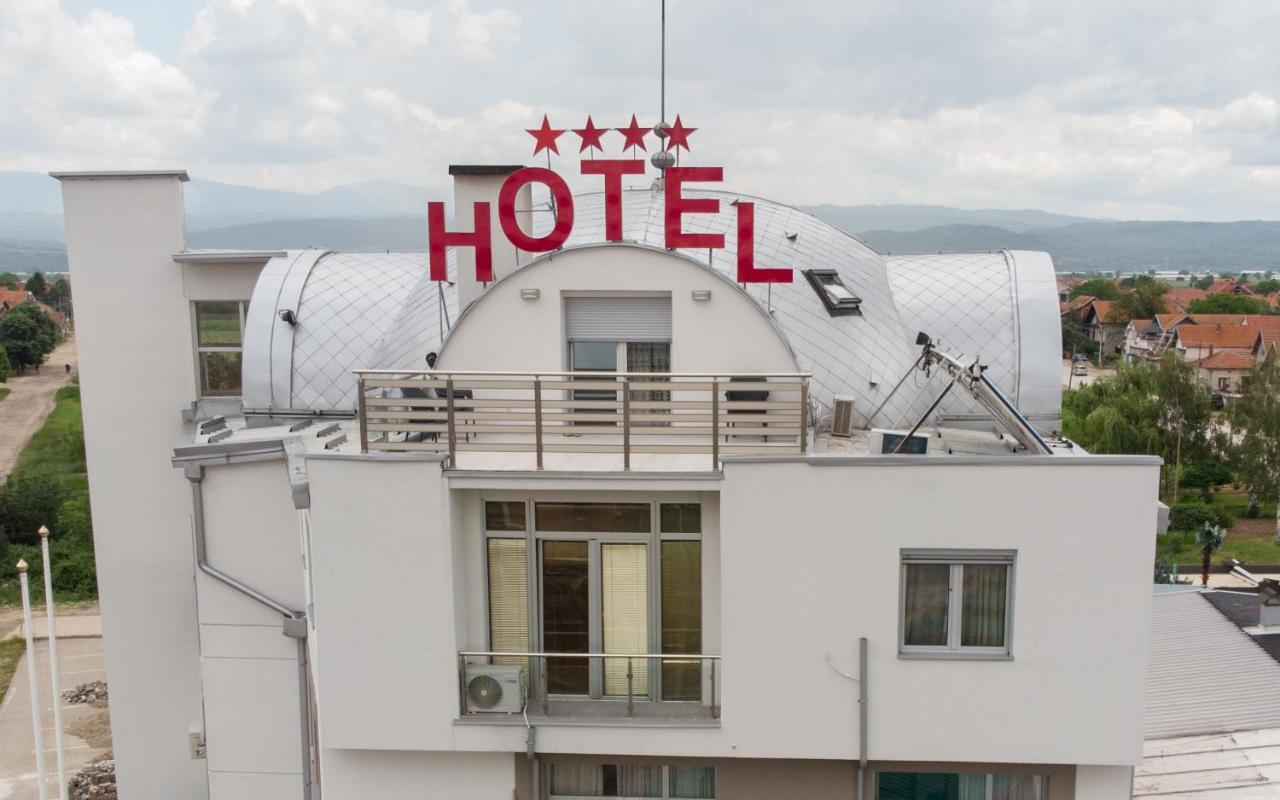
(662, 99)
(33, 682)
(55, 679)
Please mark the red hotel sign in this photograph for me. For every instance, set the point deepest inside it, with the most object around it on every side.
(611, 170)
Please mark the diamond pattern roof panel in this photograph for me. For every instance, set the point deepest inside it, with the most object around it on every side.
(380, 310)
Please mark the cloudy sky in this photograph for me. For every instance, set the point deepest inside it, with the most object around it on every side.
(1157, 109)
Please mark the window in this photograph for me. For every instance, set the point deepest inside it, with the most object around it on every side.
(606, 578)
(219, 342)
(956, 603)
(959, 786)
(657, 782)
(837, 297)
(1224, 384)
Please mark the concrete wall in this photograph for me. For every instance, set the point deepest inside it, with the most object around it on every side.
(137, 373)
(728, 333)
(249, 668)
(811, 562)
(808, 560)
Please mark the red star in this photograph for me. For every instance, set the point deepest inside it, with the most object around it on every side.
(590, 135)
(545, 136)
(678, 135)
(634, 134)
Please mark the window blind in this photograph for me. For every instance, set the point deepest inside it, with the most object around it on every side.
(508, 598)
(624, 573)
(618, 319)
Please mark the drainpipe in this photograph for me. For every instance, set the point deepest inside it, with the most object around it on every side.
(294, 622)
(862, 714)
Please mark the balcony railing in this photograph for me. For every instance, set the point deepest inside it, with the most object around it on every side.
(630, 685)
(597, 412)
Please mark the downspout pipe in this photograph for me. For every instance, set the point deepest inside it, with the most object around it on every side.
(862, 715)
(294, 622)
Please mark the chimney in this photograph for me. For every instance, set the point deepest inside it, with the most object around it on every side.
(1269, 603)
(478, 183)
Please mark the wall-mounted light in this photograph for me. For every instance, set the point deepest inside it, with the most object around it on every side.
(289, 318)
(529, 294)
(701, 295)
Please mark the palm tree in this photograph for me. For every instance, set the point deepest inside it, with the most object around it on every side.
(1209, 538)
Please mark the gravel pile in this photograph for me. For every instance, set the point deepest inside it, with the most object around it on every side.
(93, 693)
(95, 781)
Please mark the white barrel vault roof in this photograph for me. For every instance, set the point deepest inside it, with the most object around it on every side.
(380, 311)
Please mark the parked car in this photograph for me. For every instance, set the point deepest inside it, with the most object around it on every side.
(1080, 369)
(1218, 400)
(1080, 357)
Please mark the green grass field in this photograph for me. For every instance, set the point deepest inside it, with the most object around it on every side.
(1249, 540)
(55, 453)
(11, 651)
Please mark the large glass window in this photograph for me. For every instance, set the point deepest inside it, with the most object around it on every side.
(956, 601)
(620, 578)
(657, 782)
(219, 346)
(959, 786)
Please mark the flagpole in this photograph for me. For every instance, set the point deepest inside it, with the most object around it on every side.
(54, 668)
(37, 715)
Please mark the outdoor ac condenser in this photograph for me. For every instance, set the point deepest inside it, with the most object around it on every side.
(495, 689)
(842, 416)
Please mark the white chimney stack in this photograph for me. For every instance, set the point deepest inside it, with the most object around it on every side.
(477, 184)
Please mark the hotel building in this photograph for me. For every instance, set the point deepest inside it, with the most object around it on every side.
(611, 524)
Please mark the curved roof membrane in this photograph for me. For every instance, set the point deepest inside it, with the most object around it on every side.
(380, 311)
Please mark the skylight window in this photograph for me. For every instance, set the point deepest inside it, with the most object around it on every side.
(837, 297)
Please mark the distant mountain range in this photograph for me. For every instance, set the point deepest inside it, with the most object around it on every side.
(383, 215)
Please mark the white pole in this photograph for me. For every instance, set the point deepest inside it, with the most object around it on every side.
(54, 669)
(37, 712)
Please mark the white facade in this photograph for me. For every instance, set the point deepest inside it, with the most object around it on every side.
(317, 643)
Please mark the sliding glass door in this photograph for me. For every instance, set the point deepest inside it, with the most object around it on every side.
(566, 615)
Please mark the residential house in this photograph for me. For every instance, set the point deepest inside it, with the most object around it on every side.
(1194, 342)
(1225, 370)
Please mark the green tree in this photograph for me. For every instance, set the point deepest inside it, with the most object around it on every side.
(4, 366)
(1144, 301)
(27, 502)
(59, 294)
(9, 281)
(1100, 288)
(1255, 454)
(1203, 283)
(37, 285)
(27, 335)
(1267, 286)
(1156, 410)
(1227, 303)
(1209, 538)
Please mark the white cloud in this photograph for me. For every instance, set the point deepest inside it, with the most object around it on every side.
(1118, 107)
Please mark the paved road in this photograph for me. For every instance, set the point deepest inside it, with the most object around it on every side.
(1076, 381)
(31, 398)
(81, 662)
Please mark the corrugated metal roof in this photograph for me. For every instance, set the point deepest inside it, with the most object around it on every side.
(1242, 766)
(1206, 675)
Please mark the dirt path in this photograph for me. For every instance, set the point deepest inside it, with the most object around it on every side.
(31, 398)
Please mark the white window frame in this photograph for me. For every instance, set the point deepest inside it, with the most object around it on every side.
(956, 559)
(201, 349)
(666, 786)
(1041, 784)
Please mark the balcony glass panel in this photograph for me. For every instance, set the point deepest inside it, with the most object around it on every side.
(681, 618)
(566, 617)
(593, 517)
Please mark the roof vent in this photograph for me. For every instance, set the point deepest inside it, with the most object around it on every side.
(837, 297)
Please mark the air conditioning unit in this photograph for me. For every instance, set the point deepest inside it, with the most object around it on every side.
(882, 442)
(842, 416)
(495, 689)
